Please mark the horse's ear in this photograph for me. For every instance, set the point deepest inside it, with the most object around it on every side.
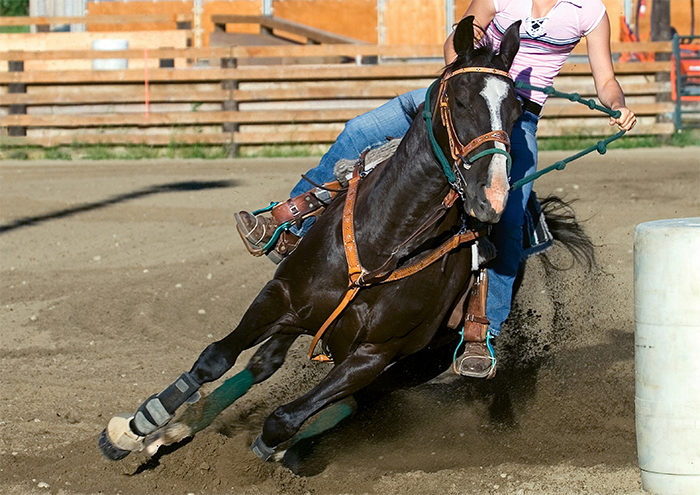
(463, 40)
(510, 44)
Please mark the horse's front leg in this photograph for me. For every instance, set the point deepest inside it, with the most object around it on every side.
(266, 360)
(354, 373)
(270, 312)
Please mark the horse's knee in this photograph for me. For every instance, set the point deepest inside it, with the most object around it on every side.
(270, 357)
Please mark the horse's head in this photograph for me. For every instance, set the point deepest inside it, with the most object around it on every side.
(478, 108)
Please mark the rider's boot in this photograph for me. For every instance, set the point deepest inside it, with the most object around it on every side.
(478, 359)
(255, 230)
(258, 230)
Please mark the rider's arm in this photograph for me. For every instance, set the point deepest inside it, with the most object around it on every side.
(608, 89)
(483, 12)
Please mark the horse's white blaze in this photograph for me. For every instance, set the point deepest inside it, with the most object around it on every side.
(494, 92)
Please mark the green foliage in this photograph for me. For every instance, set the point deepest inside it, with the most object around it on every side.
(14, 8)
(686, 137)
(177, 151)
(56, 154)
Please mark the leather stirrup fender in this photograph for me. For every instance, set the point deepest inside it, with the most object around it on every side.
(476, 324)
(298, 208)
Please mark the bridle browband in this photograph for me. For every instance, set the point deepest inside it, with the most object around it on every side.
(458, 150)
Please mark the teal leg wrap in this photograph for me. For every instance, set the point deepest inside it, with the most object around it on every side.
(222, 397)
(327, 419)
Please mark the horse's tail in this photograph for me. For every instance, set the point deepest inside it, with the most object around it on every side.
(565, 229)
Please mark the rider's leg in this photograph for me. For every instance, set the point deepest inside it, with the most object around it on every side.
(507, 237)
(365, 131)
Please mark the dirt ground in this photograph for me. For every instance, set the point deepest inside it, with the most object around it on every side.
(114, 276)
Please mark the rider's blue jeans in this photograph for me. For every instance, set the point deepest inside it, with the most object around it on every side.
(393, 120)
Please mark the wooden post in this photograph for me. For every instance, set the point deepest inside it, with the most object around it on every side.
(661, 31)
(15, 88)
(230, 104)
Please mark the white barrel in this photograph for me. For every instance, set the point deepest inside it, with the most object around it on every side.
(110, 63)
(667, 354)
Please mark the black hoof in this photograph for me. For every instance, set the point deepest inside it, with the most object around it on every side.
(109, 450)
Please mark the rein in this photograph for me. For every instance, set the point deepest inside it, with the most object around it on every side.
(601, 146)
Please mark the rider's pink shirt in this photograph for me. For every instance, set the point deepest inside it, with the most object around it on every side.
(543, 51)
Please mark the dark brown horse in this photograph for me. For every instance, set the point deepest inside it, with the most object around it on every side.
(388, 325)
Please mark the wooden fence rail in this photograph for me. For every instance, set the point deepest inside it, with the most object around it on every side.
(252, 95)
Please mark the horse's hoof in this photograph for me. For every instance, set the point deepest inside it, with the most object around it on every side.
(261, 450)
(117, 440)
(109, 450)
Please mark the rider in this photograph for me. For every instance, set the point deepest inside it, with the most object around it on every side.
(549, 31)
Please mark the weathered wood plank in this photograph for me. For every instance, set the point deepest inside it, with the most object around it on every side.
(289, 51)
(250, 73)
(277, 23)
(547, 129)
(182, 118)
(75, 95)
(96, 19)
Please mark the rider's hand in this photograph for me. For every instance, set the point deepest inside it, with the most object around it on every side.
(626, 121)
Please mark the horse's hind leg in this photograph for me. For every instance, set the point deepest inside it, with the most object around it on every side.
(266, 360)
(269, 314)
(354, 373)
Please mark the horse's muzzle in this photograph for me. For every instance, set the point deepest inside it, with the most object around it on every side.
(491, 201)
(490, 209)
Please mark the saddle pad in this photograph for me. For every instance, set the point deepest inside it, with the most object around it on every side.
(372, 157)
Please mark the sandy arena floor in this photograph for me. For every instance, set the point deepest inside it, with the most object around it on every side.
(114, 276)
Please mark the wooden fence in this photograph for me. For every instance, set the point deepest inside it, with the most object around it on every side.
(259, 95)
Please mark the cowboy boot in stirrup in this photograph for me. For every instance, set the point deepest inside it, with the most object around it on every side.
(478, 359)
(255, 230)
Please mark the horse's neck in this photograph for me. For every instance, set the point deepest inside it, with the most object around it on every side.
(409, 187)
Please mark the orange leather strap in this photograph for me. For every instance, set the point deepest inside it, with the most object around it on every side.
(349, 295)
(434, 255)
(356, 270)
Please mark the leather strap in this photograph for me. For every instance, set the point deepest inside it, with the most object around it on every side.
(297, 208)
(434, 255)
(356, 272)
(355, 269)
(349, 296)
(476, 324)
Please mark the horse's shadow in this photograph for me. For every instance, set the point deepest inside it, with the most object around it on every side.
(185, 186)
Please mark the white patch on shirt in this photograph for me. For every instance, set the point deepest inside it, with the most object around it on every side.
(494, 92)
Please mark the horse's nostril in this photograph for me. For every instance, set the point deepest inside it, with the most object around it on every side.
(496, 199)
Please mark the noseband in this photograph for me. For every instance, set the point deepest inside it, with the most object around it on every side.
(458, 150)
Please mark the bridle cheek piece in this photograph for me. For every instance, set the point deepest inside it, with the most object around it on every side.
(458, 150)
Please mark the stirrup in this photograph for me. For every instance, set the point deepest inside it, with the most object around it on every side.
(458, 363)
